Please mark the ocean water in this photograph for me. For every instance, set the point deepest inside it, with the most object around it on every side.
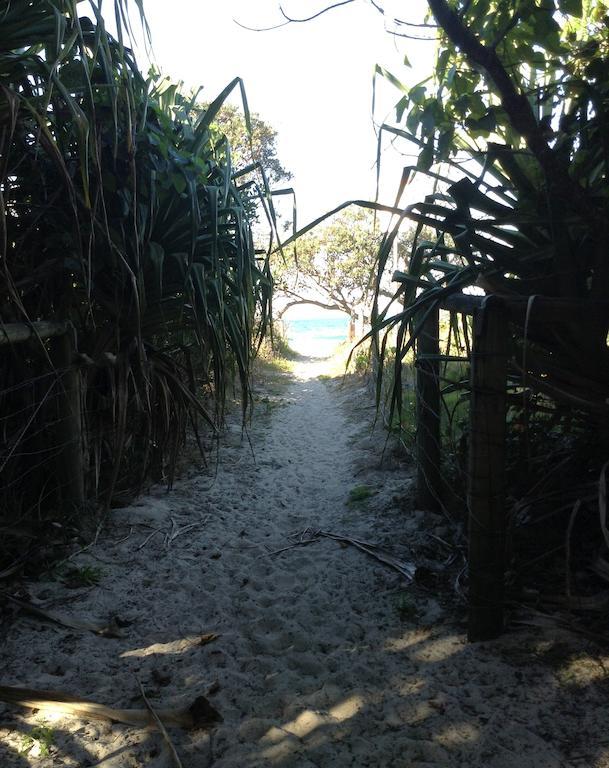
(317, 336)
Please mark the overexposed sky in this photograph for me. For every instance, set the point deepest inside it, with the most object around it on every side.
(311, 81)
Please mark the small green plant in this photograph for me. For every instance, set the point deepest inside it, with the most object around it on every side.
(85, 576)
(361, 361)
(359, 494)
(40, 738)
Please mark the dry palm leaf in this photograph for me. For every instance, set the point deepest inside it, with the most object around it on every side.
(404, 567)
(200, 714)
(311, 535)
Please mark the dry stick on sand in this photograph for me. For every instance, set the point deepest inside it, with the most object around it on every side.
(12, 568)
(80, 551)
(404, 567)
(308, 536)
(172, 534)
(124, 538)
(147, 539)
(200, 714)
(161, 727)
(175, 531)
(534, 618)
(311, 535)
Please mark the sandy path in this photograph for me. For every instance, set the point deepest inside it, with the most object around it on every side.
(324, 657)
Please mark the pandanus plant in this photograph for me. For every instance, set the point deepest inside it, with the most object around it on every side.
(120, 213)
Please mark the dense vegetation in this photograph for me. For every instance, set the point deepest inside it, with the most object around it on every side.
(512, 130)
(521, 92)
(120, 214)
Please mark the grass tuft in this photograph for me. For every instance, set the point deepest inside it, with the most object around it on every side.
(360, 494)
(38, 741)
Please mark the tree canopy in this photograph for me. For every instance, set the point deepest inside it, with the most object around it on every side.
(250, 145)
(335, 266)
(258, 145)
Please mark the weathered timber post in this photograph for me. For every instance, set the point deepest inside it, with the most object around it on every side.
(428, 412)
(70, 463)
(486, 481)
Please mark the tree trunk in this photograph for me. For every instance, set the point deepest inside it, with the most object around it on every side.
(352, 328)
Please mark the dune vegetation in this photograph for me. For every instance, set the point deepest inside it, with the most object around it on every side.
(123, 216)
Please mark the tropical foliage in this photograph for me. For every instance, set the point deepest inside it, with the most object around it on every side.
(334, 267)
(511, 131)
(517, 114)
(254, 140)
(119, 213)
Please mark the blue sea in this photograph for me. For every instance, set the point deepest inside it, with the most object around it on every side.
(317, 336)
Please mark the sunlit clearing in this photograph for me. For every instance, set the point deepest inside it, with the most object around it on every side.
(301, 726)
(52, 715)
(408, 640)
(175, 646)
(581, 672)
(347, 709)
(308, 721)
(439, 650)
(328, 367)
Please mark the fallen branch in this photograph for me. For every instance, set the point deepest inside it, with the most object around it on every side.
(534, 618)
(175, 531)
(120, 541)
(404, 567)
(597, 603)
(11, 569)
(311, 535)
(200, 714)
(80, 551)
(172, 534)
(308, 536)
(147, 539)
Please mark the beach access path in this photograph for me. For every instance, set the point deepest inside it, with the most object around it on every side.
(315, 654)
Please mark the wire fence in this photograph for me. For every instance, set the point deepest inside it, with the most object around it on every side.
(526, 454)
(75, 436)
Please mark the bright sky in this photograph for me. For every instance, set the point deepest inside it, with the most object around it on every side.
(312, 82)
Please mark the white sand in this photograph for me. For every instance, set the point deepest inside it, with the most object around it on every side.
(325, 657)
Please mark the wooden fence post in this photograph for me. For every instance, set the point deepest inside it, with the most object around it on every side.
(428, 412)
(70, 462)
(486, 481)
